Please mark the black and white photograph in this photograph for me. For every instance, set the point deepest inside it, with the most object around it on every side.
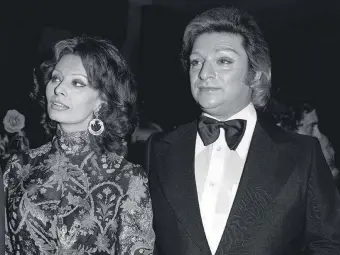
(170, 127)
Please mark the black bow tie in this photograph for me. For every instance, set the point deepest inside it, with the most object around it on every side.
(209, 130)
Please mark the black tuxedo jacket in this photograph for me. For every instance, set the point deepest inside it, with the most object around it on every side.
(286, 202)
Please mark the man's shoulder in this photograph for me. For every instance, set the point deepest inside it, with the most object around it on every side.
(164, 137)
(299, 139)
(283, 136)
(292, 143)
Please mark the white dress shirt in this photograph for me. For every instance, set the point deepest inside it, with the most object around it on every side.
(218, 172)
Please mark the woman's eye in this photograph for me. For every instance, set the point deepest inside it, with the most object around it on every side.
(78, 83)
(55, 79)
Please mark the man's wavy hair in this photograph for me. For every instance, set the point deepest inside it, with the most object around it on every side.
(291, 118)
(233, 21)
(108, 73)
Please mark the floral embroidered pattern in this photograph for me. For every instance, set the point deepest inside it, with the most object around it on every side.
(64, 199)
(40, 151)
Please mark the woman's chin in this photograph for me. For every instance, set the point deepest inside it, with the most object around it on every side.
(61, 119)
(55, 116)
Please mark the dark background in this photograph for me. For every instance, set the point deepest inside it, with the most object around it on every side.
(303, 36)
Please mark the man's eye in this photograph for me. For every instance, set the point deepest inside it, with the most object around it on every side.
(194, 62)
(224, 61)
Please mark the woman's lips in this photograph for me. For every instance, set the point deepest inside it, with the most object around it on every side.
(58, 106)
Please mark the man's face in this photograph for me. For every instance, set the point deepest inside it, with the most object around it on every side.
(308, 123)
(310, 126)
(218, 70)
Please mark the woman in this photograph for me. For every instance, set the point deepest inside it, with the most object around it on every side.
(77, 194)
(2, 218)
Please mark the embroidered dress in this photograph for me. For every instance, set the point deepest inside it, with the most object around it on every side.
(62, 198)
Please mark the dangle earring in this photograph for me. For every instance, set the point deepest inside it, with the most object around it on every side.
(96, 126)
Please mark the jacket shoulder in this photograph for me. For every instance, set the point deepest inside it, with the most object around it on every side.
(172, 135)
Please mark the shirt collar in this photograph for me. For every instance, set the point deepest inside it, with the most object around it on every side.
(248, 113)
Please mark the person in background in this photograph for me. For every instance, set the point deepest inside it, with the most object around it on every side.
(302, 118)
(78, 194)
(228, 182)
(139, 138)
(144, 130)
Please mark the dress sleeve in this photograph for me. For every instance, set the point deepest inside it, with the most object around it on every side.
(2, 217)
(10, 179)
(135, 233)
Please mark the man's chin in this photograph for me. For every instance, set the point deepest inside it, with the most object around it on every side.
(209, 105)
(213, 110)
(220, 111)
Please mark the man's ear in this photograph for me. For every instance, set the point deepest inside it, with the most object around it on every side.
(254, 79)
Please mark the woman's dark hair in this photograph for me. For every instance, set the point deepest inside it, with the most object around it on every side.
(108, 73)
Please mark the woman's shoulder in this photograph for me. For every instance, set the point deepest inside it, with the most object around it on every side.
(43, 149)
(133, 168)
(21, 162)
(115, 170)
(115, 162)
(23, 157)
(118, 165)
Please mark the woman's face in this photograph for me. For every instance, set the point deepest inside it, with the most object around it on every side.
(71, 100)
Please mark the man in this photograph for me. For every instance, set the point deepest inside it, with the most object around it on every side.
(241, 186)
(300, 117)
(139, 139)
(303, 119)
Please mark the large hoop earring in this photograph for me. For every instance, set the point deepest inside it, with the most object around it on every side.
(96, 126)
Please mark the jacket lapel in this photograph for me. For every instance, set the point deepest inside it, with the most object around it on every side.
(265, 171)
(177, 177)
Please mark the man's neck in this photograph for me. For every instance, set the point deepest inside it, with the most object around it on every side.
(227, 115)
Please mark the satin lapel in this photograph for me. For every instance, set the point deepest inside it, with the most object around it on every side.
(177, 177)
(265, 171)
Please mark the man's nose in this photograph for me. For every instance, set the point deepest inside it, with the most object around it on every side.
(207, 71)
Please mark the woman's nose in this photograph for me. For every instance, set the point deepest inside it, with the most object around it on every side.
(60, 89)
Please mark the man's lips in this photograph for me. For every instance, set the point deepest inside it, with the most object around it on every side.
(212, 89)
